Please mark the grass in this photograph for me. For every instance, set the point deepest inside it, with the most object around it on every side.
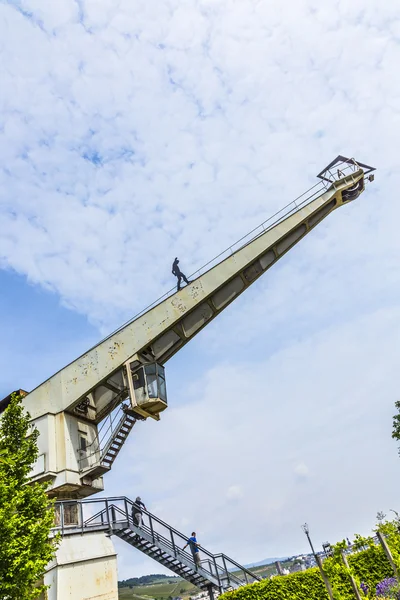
(158, 591)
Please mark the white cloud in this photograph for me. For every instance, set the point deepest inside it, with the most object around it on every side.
(302, 471)
(132, 134)
(328, 398)
(234, 492)
(202, 120)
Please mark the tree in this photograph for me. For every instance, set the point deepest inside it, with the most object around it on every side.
(26, 513)
(396, 423)
(380, 516)
(4, 458)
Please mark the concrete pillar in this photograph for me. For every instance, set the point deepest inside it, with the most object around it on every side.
(85, 568)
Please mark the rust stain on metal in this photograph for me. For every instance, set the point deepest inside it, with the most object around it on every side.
(179, 305)
(114, 349)
(195, 289)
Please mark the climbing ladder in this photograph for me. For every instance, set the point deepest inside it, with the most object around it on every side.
(216, 573)
(100, 455)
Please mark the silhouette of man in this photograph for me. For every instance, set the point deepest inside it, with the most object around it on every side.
(178, 273)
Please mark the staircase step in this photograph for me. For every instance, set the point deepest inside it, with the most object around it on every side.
(164, 556)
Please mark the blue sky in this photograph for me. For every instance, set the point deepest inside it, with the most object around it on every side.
(133, 132)
(39, 335)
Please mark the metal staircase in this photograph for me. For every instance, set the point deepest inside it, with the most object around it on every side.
(100, 455)
(216, 573)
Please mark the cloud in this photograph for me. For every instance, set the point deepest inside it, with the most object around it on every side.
(302, 471)
(130, 135)
(234, 492)
(142, 135)
(318, 397)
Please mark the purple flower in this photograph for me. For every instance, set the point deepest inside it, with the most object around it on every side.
(364, 588)
(386, 587)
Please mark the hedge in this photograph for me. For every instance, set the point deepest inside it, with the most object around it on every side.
(304, 585)
(369, 566)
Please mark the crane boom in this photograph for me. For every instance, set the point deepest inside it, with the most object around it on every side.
(129, 362)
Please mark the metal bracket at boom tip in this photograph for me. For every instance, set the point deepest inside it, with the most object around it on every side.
(342, 166)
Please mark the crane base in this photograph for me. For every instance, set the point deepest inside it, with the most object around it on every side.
(85, 568)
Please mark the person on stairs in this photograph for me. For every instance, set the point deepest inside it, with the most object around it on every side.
(137, 514)
(178, 273)
(194, 547)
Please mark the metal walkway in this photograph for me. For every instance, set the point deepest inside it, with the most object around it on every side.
(216, 573)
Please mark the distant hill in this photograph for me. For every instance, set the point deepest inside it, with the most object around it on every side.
(266, 561)
(144, 580)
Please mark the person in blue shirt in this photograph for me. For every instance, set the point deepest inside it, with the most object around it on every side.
(194, 547)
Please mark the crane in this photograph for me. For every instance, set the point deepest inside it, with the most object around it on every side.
(122, 379)
(85, 411)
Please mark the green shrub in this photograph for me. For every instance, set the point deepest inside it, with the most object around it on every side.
(305, 585)
(369, 566)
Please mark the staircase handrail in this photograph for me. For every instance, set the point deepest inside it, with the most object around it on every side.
(160, 522)
(219, 569)
(204, 550)
(104, 432)
(126, 514)
(240, 567)
(172, 548)
(93, 517)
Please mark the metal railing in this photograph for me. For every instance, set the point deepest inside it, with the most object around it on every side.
(96, 450)
(115, 515)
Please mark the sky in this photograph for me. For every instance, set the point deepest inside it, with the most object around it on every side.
(134, 131)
